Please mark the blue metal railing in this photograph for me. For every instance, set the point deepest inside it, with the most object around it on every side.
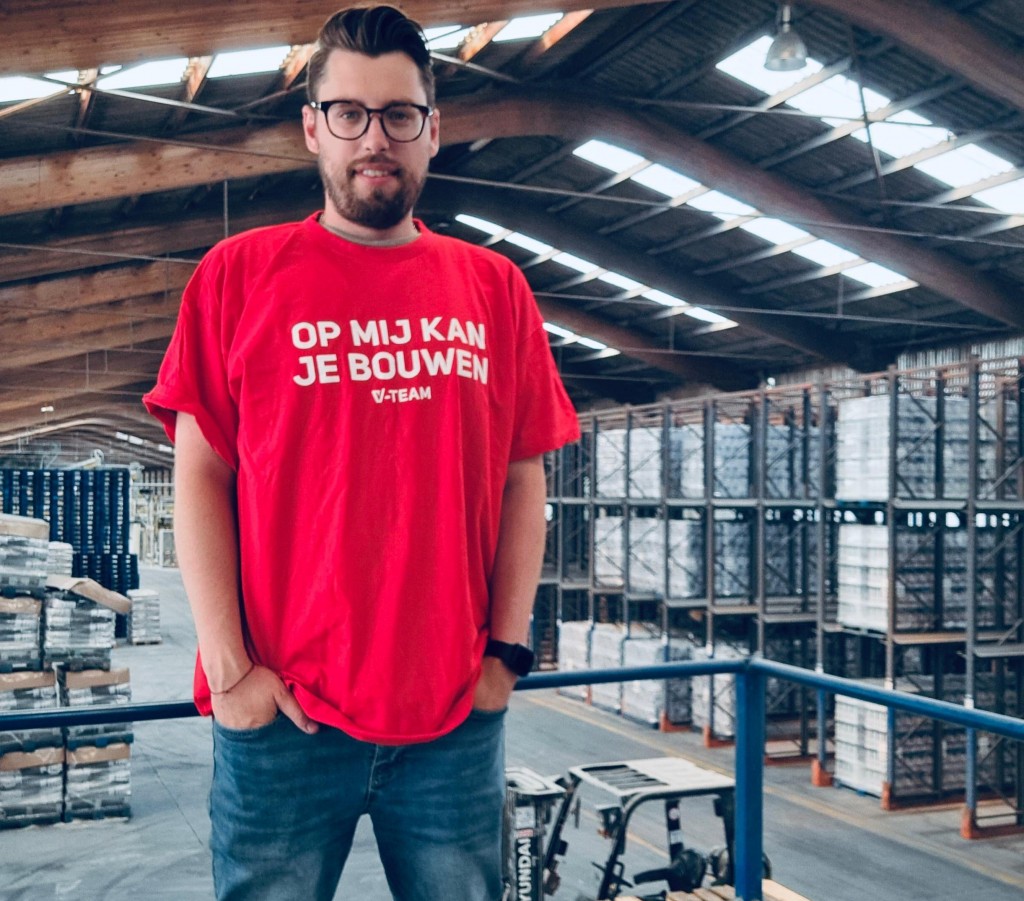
(750, 676)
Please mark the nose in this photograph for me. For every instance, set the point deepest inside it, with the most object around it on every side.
(375, 138)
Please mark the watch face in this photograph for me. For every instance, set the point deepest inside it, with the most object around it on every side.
(522, 660)
(516, 657)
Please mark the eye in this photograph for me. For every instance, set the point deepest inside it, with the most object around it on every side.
(348, 113)
(399, 115)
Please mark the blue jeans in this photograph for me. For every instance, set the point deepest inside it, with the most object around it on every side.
(284, 807)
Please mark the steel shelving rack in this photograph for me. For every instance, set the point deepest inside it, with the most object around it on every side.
(765, 478)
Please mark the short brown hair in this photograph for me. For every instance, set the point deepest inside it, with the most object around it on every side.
(373, 31)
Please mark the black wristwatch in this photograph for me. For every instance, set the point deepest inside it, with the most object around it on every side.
(517, 657)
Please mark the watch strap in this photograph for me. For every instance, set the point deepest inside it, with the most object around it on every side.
(517, 657)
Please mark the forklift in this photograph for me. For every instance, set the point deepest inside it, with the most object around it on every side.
(535, 802)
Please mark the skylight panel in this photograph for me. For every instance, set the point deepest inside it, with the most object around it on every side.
(574, 262)
(838, 96)
(445, 37)
(964, 166)
(721, 205)
(248, 62)
(1008, 198)
(903, 134)
(705, 315)
(825, 253)
(666, 300)
(526, 27)
(747, 65)
(775, 231)
(621, 281)
(18, 87)
(608, 156)
(875, 276)
(480, 224)
(572, 338)
(560, 332)
(146, 75)
(527, 243)
(665, 181)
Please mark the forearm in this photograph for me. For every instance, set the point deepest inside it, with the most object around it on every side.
(520, 551)
(206, 541)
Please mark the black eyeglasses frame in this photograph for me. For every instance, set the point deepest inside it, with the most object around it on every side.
(324, 105)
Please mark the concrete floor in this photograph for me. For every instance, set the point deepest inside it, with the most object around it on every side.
(827, 844)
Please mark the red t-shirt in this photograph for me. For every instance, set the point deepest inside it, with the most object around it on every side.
(370, 400)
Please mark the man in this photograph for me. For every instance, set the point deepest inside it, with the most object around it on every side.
(360, 408)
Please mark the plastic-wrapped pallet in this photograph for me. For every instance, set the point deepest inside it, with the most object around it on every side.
(77, 632)
(733, 544)
(863, 578)
(31, 787)
(730, 474)
(96, 688)
(574, 654)
(610, 462)
(655, 701)
(606, 653)
(24, 544)
(644, 463)
(685, 476)
(713, 698)
(791, 462)
(647, 555)
(686, 564)
(144, 620)
(60, 558)
(97, 782)
(20, 633)
(864, 435)
(21, 692)
(862, 754)
(609, 551)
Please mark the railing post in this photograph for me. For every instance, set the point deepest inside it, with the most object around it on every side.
(750, 741)
(969, 815)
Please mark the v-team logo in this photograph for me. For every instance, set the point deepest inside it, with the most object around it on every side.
(400, 395)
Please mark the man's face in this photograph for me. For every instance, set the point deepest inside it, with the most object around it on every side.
(372, 182)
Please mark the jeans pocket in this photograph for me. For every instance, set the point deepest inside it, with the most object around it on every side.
(246, 734)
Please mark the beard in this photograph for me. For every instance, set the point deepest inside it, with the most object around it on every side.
(380, 209)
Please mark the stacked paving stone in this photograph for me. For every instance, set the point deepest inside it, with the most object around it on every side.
(20, 634)
(24, 545)
(60, 559)
(144, 620)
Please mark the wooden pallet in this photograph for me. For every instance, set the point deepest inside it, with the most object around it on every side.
(771, 890)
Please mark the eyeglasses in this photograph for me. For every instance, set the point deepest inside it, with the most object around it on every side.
(348, 120)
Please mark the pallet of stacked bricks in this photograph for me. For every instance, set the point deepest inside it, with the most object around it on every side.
(56, 637)
(31, 760)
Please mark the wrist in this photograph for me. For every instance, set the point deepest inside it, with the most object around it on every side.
(230, 677)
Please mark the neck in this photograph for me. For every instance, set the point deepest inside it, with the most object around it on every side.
(406, 233)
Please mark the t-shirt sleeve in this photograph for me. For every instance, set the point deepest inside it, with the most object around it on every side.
(193, 377)
(544, 416)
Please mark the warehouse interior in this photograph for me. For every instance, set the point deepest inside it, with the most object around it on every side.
(786, 303)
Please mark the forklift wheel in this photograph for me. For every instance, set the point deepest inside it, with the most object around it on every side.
(718, 859)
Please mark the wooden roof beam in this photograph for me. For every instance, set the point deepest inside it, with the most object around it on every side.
(943, 36)
(57, 179)
(41, 36)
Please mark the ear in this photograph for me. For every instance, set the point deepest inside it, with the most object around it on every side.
(435, 132)
(309, 117)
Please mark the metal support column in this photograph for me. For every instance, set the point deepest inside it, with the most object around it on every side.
(750, 746)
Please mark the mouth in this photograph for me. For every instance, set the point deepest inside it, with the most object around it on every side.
(376, 171)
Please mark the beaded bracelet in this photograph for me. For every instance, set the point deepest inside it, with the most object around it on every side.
(238, 681)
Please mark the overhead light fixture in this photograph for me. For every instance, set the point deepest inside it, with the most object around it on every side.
(788, 52)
